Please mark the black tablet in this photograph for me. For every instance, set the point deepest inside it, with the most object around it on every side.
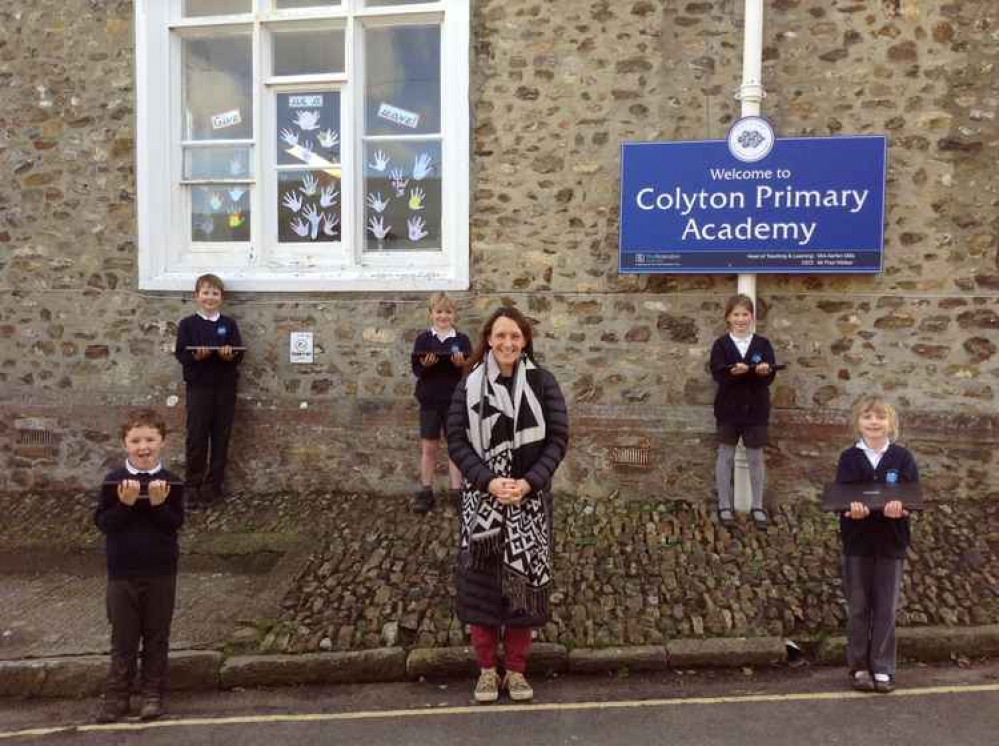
(837, 497)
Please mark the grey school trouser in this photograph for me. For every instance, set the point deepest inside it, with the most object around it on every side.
(724, 469)
(871, 586)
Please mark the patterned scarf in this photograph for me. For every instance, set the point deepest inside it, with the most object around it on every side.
(516, 534)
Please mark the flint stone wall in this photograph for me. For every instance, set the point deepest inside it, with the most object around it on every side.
(556, 87)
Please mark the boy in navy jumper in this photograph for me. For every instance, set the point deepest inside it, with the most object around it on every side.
(743, 364)
(438, 356)
(140, 511)
(874, 545)
(205, 348)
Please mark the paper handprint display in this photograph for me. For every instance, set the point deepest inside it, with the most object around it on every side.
(423, 165)
(328, 139)
(306, 120)
(219, 214)
(308, 207)
(308, 127)
(402, 195)
(377, 227)
(416, 199)
(328, 196)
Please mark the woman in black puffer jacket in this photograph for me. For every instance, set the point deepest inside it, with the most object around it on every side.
(508, 431)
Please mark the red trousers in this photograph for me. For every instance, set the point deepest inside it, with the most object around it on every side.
(516, 644)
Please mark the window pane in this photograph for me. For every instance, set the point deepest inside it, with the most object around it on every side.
(309, 206)
(376, 3)
(220, 213)
(403, 88)
(217, 163)
(402, 196)
(308, 52)
(218, 98)
(282, 4)
(216, 7)
(308, 129)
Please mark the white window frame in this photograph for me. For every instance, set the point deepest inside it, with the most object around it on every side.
(167, 258)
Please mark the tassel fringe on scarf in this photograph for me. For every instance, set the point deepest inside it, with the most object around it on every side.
(517, 535)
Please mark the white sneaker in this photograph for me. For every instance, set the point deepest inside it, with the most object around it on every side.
(487, 688)
(517, 686)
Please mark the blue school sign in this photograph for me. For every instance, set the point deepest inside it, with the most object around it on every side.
(753, 203)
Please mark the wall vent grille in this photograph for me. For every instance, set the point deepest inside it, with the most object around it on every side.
(636, 456)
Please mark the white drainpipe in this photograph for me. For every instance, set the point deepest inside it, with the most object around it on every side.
(751, 94)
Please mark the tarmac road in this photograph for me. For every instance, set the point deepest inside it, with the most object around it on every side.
(934, 706)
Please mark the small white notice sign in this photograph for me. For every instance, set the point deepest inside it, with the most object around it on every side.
(305, 102)
(226, 119)
(399, 116)
(301, 347)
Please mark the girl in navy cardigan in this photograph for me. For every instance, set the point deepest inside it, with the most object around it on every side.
(874, 545)
(743, 364)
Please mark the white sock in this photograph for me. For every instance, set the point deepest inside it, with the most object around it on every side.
(882, 677)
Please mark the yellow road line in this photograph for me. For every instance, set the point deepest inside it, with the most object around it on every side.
(499, 710)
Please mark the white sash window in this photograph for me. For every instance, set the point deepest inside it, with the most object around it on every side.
(303, 144)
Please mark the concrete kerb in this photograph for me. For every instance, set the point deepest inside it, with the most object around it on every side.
(83, 676)
(928, 644)
(362, 666)
(603, 660)
(726, 652)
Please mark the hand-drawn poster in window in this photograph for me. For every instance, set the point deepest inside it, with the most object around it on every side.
(402, 196)
(220, 213)
(309, 197)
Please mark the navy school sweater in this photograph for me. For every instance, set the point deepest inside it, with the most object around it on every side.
(436, 384)
(213, 371)
(141, 540)
(875, 536)
(745, 399)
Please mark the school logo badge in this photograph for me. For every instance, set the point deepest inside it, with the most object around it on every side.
(756, 359)
(221, 330)
(751, 139)
(892, 476)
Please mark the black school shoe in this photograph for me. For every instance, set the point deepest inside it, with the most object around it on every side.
(210, 494)
(111, 710)
(861, 681)
(152, 708)
(424, 501)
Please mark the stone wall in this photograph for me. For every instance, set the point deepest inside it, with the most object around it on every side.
(557, 86)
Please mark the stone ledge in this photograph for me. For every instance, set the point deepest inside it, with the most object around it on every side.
(22, 678)
(602, 660)
(726, 652)
(362, 666)
(83, 676)
(459, 661)
(194, 669)
(547, 658)
(927, 644)
(75, 677)
(441, 662)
